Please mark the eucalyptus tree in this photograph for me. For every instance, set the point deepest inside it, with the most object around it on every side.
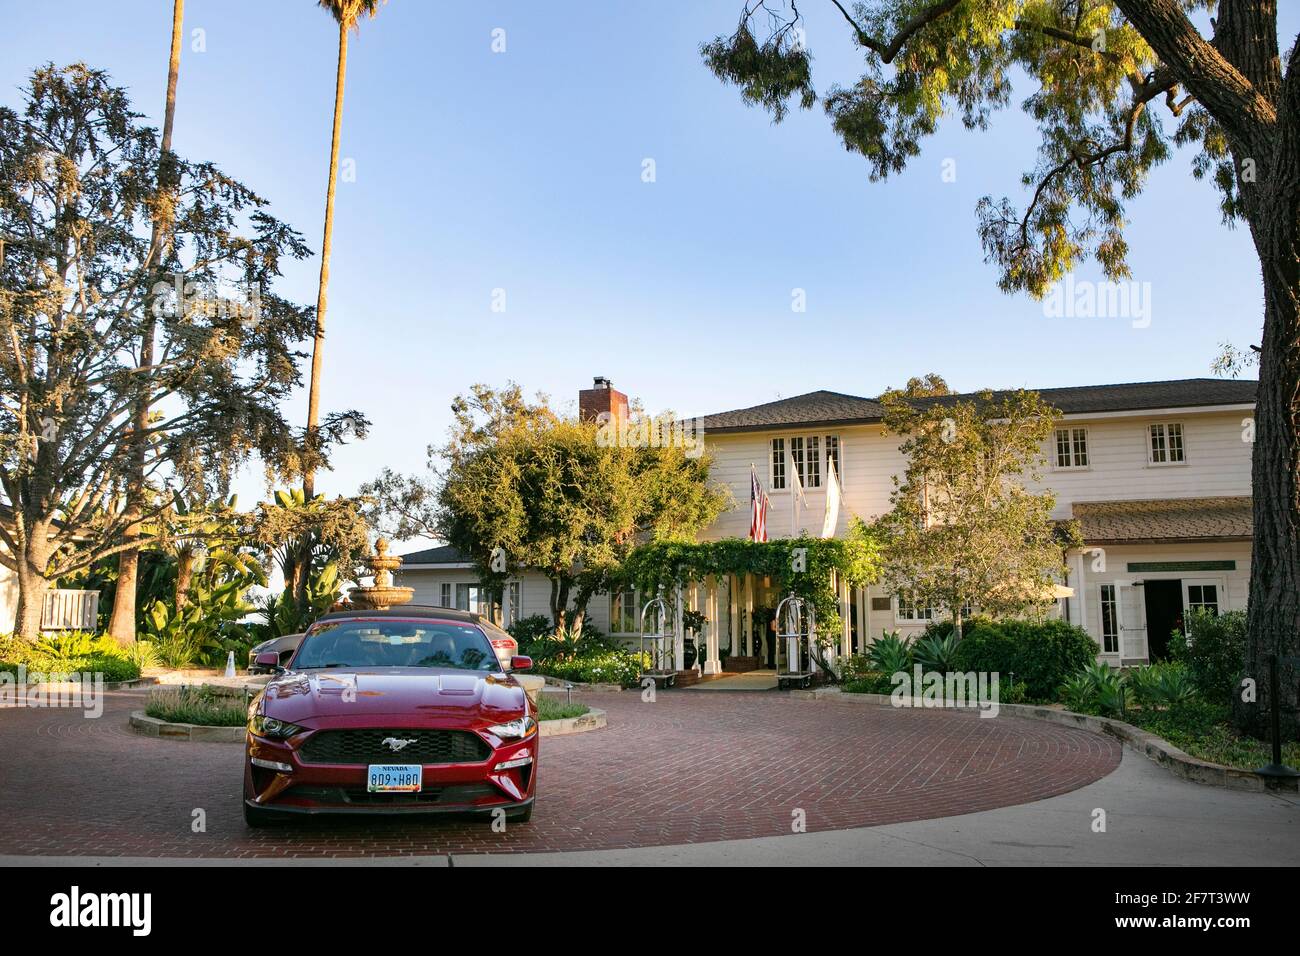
(80, 190)
(1105, 75)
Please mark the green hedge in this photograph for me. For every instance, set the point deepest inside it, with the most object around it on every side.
(1215, 654)
(603, 667)
(1042, 654)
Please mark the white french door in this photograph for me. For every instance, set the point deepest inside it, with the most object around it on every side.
(1132, 613)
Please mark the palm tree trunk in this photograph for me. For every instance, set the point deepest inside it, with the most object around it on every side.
(122, 623)
(313, 393)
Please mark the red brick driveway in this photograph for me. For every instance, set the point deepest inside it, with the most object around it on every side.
(692, 767)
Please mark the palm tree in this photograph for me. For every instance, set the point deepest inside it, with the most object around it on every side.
(122, 623)
(347, 13)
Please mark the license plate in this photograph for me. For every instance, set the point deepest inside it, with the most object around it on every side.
(395, 778)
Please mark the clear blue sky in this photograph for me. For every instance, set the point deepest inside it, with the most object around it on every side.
(522, 171)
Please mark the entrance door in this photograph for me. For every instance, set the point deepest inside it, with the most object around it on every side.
(1164, 601)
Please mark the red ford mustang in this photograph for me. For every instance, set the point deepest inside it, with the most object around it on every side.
(406, 710)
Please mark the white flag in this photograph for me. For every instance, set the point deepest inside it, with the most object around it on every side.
(796, 495)
(832, 500)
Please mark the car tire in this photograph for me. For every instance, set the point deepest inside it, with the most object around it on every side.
(258, 817)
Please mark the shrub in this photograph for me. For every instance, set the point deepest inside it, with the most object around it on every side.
(601, 667)
(529, 630)
(890, 653)
(113, 668)
(193, 705)
(870, 682)
(854, 667)
(1215, 652)
(1041, 654)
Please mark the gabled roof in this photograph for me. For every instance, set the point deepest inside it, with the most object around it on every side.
(836, 408)
(445, 554)
(1164, 519)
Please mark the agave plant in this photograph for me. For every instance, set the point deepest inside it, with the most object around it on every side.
(1145, 684)
(935, 653)
(890, 653)
(1079, 693)
(1175, 684)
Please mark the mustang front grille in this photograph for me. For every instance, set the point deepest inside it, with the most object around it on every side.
(367, 746)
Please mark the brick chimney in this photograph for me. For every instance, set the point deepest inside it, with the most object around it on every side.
(601, 399)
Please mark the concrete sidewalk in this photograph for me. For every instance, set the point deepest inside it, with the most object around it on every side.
(1152, 819)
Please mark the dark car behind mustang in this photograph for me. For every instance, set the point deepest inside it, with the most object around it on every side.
(401, 711)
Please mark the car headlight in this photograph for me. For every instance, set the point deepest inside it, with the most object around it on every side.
(272, 727)
(516, 729)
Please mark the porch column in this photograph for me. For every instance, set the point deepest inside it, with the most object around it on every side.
(846, 609)
(749, 615)
(713, 665)
(679, 636)
(733, 605)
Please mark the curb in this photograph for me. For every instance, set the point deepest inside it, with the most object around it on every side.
(1156, 749)
(593, 719)
(589, 688)
(148, 726)
(63, 686)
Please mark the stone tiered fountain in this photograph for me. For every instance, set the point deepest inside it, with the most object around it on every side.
(382, 594)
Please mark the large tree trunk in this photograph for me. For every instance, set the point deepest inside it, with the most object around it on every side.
(122, 623)
(318, 343)
(32, 560)
(1274, 606)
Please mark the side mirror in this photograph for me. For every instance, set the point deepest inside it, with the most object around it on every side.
(268, 659)
(521, 663)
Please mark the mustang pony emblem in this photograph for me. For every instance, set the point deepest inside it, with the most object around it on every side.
(395, 744)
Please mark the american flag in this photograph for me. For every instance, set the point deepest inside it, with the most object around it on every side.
(757, 508)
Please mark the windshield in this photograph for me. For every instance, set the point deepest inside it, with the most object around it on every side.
(397, 644)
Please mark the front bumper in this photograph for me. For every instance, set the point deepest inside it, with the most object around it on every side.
(314, 788)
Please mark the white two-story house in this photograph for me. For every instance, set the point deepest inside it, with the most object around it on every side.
(1156, 473)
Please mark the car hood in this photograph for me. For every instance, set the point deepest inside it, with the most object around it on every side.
(464, 698)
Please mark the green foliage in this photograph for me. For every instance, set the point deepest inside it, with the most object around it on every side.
(965, 529)
(528, 630)
(1214, 653)
(601, 667)
(1041, 654)
(1203, 729)
(890, 654)
(208, 627)
(83, 181)
(566, 497)
(1095, 83)
(936, 653)
(195, 705)
(869, 682)
(281, 615)
(802, 566)
(1096, 689)
(549, 707)
(567, 645)
(70, 652)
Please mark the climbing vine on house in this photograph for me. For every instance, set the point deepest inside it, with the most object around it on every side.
(805, 567)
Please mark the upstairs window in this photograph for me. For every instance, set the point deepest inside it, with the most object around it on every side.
(778, 464)
(810, 457)
(1166, 444)
(1072, 448)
